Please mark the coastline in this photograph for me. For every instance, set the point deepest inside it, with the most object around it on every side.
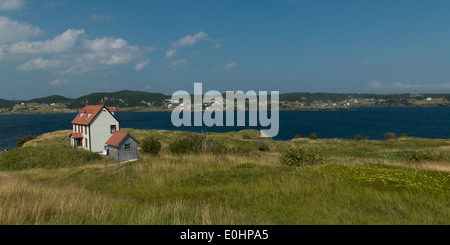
(281, 109)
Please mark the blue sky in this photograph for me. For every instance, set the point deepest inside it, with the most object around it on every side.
(76, 47)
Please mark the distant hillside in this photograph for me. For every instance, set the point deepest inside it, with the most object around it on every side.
(136, 100)
(51, 99)
(120, 99)
(8, 103)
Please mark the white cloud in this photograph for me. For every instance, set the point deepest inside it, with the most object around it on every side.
(217, 46)
(61, 81)
(190, 40)
(171, 53)
(39, 64)
(141, 65)
(177, 64)
(118, 59)
(9, 5)
(72, 52)
(111, 51)
(403, 86)
(227, 67)
(106, 44)
(230, 66)
(11, 30)
(99, 17)
(61, 43)
(375, 85)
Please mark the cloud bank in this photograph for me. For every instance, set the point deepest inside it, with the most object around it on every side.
(70, 52)
(10, 5)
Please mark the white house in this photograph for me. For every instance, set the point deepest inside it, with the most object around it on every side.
(93, 126)
(96, 128)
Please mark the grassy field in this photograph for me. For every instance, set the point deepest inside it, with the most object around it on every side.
(360, 182)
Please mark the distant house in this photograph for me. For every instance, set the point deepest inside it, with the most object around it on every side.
(429, 99)
(122, 147)
(93, 127)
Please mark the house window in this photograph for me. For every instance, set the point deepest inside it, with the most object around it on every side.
(113, 129)
(79, 142)
(127, 147)
(86, 143)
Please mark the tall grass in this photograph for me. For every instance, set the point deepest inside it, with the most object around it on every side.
(47, 156)
(356, 187)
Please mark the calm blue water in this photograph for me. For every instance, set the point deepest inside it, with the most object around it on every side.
(374, 122)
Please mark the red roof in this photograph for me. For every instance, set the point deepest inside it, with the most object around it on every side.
(88, 113)
(116, 138)
(76, 135)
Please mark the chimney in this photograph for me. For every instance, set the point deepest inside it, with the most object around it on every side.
(87, 103)
(103, 103)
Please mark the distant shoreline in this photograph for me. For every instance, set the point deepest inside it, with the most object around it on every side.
(283, 109)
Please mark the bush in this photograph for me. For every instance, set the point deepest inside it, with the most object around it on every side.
(243, 149)
(21, 141)
(187, 144)
(298, 136)
(213, 146)
(262, 146)
(151, 145)
(362, 137)
(405, 135)
(246, 136)
(420, 156)
(195, 143)
(300, 157)
(313, 136)
(389, 136)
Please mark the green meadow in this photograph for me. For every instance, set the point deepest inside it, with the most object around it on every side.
(398, 181)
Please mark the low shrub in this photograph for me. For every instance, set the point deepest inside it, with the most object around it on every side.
(421, 156)
(151, 145)
(246, 136)
(243, 149)
(313, 136)
(300, 157)
(195, 143)
(389, 136)
(213, 146)
(188, 144)
(262, 146)
(21, 141)
(362, 137)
